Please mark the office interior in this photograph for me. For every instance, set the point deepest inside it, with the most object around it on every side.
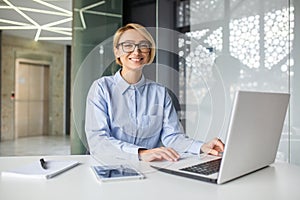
(206, 51)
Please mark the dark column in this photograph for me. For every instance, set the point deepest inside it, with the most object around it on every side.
(0, 81)
(68, 90)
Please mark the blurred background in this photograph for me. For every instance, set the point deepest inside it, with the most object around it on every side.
(52, 50)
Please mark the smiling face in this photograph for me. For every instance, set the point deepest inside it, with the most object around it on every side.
(135, 60)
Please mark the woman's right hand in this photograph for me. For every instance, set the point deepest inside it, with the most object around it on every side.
(158, 154)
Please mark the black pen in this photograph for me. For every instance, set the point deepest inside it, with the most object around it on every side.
(43, 163)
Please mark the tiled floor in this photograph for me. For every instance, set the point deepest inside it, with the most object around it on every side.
(41, 145)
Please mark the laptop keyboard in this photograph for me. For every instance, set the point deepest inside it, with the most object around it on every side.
(206, 168)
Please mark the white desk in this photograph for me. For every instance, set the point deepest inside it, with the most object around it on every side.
(280, 181)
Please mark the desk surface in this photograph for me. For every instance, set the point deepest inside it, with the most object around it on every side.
(279, 181)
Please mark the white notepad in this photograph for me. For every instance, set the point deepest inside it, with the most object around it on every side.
(35, 170)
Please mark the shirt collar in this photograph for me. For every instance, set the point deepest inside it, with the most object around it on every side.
(123, 85)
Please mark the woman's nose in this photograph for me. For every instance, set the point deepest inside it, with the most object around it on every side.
(136, 49)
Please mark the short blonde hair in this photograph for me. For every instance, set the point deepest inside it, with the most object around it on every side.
(142, 30)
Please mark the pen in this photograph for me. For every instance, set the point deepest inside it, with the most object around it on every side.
(43, 163)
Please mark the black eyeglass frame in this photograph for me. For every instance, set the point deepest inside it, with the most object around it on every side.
(135, 45)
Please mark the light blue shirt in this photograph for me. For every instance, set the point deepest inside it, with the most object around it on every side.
(130, 117)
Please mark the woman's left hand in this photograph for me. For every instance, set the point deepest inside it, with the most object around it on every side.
(158, 154)
(213, 147)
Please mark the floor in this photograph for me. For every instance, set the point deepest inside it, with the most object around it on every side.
(39, 145)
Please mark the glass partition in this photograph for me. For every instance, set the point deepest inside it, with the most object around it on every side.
(93, 27)
(230, 45)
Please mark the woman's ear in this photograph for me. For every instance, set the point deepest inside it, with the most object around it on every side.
(117, 56)
(117, 52)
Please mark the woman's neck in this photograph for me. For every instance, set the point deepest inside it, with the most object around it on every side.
(131, 76)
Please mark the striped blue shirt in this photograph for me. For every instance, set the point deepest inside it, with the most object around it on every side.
(132, 116)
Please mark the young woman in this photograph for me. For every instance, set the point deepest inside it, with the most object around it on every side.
(134, 114)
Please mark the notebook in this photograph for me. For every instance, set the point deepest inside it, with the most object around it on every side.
(253, 136)
(35, 170)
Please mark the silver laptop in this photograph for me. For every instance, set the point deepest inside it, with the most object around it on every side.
(252, 141)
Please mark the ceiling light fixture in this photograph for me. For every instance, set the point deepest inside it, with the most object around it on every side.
(81, 10)
(37, 11)
(20, 12)
(57, 17)
(86, 9)
(37, 35)
(55, 38)
(18, 27)
(53, 6)
(34, 25)
(13, 22)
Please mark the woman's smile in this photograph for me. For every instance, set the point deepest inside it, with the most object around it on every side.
(136, 59)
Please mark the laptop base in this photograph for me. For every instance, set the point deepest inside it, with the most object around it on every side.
(200, 178)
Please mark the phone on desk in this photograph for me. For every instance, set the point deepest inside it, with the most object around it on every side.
(116, 172)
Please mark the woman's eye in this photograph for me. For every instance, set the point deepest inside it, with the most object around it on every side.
(144, 46)
(128, 46)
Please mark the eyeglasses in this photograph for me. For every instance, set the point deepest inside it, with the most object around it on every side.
(129, 47)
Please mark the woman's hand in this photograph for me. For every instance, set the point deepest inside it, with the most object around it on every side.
(213, 147)
(157, 154)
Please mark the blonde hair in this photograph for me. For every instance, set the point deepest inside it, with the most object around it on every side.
(142, 30)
